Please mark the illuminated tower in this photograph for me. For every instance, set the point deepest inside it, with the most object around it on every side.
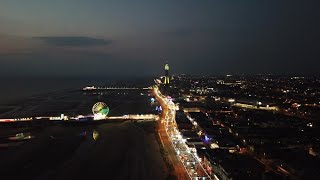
(166, 77)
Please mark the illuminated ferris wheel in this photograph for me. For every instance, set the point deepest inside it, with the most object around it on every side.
(100, 110)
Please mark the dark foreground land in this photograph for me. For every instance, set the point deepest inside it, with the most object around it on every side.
(123, 150)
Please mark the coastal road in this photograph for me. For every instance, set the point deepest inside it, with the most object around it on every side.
(179, 169)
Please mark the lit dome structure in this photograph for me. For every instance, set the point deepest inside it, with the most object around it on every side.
(100, 110)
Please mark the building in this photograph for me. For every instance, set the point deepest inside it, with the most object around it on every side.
(227, 166)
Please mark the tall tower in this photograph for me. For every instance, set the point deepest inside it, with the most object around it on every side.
(166, 77)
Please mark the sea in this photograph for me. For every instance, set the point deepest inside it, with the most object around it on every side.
(16, 89)
(13, 89)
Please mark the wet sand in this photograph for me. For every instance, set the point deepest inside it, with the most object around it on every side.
(119, 151)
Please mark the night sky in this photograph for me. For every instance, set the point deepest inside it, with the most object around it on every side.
(134, 38)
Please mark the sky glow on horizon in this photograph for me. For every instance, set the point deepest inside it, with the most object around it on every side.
(102, 38)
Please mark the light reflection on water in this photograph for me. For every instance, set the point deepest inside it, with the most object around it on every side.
(15, 140)
(21, 136)
(88, 136)
(95, 135)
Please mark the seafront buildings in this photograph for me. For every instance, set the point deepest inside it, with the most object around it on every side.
(249, 127)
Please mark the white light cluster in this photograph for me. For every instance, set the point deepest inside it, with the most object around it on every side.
(99, 116)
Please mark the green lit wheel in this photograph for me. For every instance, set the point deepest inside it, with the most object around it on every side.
(100, 108)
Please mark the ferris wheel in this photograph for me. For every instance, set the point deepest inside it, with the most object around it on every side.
(100, 110)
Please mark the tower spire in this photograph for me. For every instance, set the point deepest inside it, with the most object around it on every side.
(166, 78)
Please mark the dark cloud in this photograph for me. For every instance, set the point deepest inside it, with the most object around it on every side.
(74, 41)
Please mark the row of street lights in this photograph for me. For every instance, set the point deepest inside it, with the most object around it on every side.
(185, 154)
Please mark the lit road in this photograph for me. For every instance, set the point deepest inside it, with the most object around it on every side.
(135, 117)
(145, 117)
(185, 163)
(179, 169)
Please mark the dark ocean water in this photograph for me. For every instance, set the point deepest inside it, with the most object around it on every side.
(16, 89)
